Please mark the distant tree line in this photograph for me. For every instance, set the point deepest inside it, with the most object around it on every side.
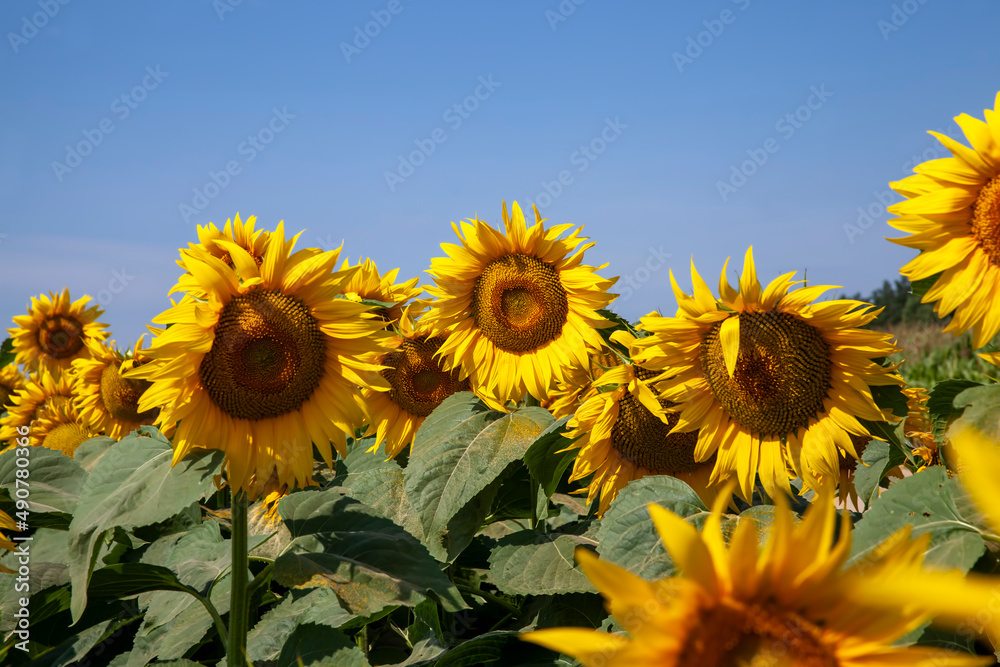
(900, 304)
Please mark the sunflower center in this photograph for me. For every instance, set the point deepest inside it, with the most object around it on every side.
(60, 336)
(418, 382)
(849, 463)
(121, 396)
(781, 377)
(734, 633)
(267, 358)
(640, 437)
(986, 219)
(519, 303)
(66, 438)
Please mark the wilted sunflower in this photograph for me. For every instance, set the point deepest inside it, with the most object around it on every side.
(624, 434)
(41, 391)
(418, 385)
(11, 382)
(63, 428)
(219, 244)
(518, 307)
(109, 401)
(55, 332)
(952, 213)
(757, 367)
(366, 283)
(789, 604)
(578, 384)
(268, 365)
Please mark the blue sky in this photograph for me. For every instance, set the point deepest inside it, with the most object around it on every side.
(643, 110)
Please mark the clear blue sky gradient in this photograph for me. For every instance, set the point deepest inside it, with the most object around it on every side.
(110, 226)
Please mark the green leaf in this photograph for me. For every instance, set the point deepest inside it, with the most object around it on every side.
(943, 407)
(47, 551)
(981, 409)
(53, 479)
(134, 485)
(478, 650)
(626, 534)
(369, 561)
(544, 457)
(533, 563)
(7, 352)
(922, 286)
(312, 645)
(73, 650)
(125, 579)
(878, 458)
(459, 450)
(890, 397)
(91, 451)
(183, 629)
(929, 501)
(318, 606)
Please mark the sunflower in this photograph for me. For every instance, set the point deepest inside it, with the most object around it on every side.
(41, 391)
(7, 523)
(267, 365)
(952, 213)
(11, 382)
(219, 244)
(107, 400)
(625, 434)
(759, 368)
(55, 332)
(787, 604)
(918, 427)
(419, 384)
(63, 428)
(518, 307)
(578, 384)
(368, 284)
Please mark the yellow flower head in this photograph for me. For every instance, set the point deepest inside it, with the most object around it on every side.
(952, 216)
(757, 367)
(219, 244)
(41, 391)
(106, 399)
(518, 306)
(366, 283)
(11, 382)
(734, 604)
(266, 366)
(55, 332)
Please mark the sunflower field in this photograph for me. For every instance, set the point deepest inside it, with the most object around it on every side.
(310, 462)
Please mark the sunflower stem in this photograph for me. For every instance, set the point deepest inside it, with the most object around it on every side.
(238, 606)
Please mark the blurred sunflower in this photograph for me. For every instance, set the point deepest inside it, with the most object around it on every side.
(267, 366)
(63, 428)
(757, 368)
(11, 382)
(367, 284)
(518, 307)
(952, 213)
(418, 385)
(625, 434)
(55, 332)
(41, 391)
(6, 523)
(734, 604)
(109, 401)
(219, 244)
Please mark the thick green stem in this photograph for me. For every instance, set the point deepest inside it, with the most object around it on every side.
(239, 599)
